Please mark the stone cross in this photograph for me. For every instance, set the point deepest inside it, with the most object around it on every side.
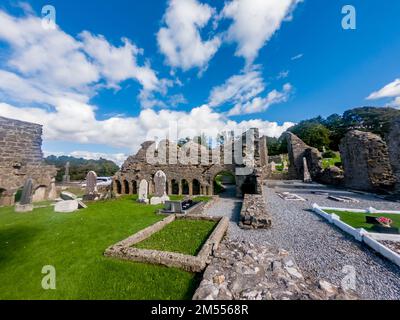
(143, 191)
(307, 176)
(91, 183)
(160, 181)
(27, 191)
(66, 177)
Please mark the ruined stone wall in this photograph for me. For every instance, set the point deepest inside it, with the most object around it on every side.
(195, 176)
(393, 141)
(297, 150)
(365, 159)
(21, 157)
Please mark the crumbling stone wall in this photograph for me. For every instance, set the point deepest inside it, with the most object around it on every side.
(365, 159)
(297, 150)
(393, 141)
(254, 213)
(21, 157)
(195, 175)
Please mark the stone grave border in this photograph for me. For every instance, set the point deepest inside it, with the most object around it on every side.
(369, 238)
(198, 209)
(124, 250)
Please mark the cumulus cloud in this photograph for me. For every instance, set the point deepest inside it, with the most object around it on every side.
(260, 104)
(180, 40)
(389, 91)
(52, 63)
(238, 88)
(255, 22)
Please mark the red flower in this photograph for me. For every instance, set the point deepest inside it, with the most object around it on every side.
(385, 221)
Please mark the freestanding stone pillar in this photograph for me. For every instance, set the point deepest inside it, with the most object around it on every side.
(365, 160)
(394, 150)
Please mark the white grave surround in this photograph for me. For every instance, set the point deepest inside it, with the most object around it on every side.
(369, 238)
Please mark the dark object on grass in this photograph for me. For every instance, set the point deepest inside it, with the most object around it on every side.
(381, 229)
(371, 220)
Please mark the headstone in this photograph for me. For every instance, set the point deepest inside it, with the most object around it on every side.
(160, 194)
(66, 206)
(91, 187)
(25, 203)
(143, 191)
(66, 177)
(273, 166)
(65, 195)
(306, 173)
(53, 190)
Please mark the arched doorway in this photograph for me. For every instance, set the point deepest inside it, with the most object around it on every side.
(126, 187)
(134, 187)
(175, 187)
(196, 187)
(185, 187)
(118, 187)
(222, 181)
(249, 185)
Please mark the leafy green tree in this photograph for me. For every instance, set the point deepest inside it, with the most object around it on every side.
(313, 133)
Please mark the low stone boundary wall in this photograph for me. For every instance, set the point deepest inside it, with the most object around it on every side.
(254, 213)
(124, 250)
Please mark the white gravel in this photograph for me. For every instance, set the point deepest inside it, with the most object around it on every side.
(320, 249)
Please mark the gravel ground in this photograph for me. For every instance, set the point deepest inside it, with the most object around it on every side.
(320, 249)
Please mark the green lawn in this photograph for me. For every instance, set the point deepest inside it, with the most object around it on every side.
(328, 162)
(74, 244)
(357, 220)
(192, 236)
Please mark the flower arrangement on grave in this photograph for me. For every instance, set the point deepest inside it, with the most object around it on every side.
(386, 222)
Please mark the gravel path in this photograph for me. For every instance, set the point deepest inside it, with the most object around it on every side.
(320, 249)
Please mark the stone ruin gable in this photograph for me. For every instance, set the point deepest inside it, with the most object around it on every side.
(393, 141)
(21, 157)
(297, 150)
(199, 174)
(365, 160)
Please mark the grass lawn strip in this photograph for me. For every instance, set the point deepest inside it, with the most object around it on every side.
(181, 236)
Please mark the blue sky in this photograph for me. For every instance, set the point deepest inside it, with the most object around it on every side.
(97, 94)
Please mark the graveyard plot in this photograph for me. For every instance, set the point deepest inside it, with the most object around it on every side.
(182, 236)
(74, 244)
(178, 241)
(378, 229)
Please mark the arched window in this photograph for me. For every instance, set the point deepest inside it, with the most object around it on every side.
(185, 187)
(196, 187)
(175, 187)
(126, 187)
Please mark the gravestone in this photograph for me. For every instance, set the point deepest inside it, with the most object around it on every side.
(91, 187)
(66, 177)
(306, 173)
(143, 191)
(25, 203)
(66, 206)
(273, 166)
(160, 195)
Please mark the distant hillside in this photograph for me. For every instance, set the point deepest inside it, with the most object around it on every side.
(327, 132)
(79, 167)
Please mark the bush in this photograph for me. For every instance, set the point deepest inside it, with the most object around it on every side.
(329, 154)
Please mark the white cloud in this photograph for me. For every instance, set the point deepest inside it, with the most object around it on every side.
(180, 41)
(238, 88)
(254, 23)
(391, 90)
(259, 104)
(297, 57)
(53, 63)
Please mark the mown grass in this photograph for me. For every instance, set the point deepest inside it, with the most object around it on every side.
(357, 220)
(181, 236)
(74, 244)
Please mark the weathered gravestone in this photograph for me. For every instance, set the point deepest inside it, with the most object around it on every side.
(66, 206)
(66, 177)
(143, 191)
(25, 203)
(91, 187)
(306, 172)
(160, 195)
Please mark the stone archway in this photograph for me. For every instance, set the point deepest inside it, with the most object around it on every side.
(126, 187)
(134, 187)
(196, 187)
(118, 186)
(185, 187)
(221, 180)
(174, 187)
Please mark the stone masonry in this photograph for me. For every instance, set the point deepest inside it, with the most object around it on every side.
(21, 158)
(298, 150)
(365, 160)
(192, 168)
(394, 150)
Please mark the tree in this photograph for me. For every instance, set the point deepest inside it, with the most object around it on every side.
(313, 133)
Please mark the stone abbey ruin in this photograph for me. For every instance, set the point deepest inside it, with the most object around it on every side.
(21, 158)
